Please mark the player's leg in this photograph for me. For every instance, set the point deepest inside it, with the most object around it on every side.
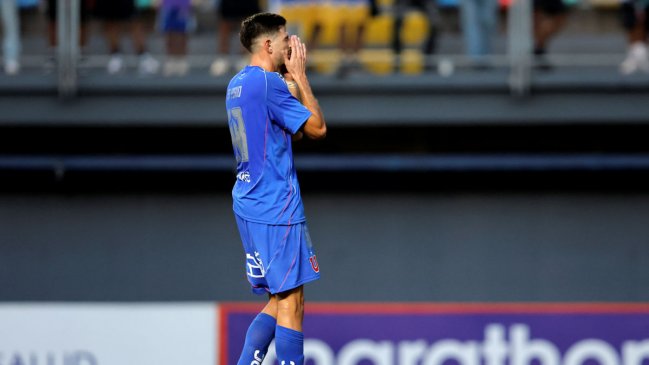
(11, 43)
(289, 340)
(260, 334)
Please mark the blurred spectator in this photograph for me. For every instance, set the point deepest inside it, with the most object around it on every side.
(116, 14)
(549, 18)
(635, 19)
(11, 34)
(351, 15)
(174, 17)
(429, 8)
(85, 10)
(230, 13)
(479, 19)
(305, 19)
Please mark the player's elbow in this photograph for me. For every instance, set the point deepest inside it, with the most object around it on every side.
(317, 133)
(321, 133)
(315, 128)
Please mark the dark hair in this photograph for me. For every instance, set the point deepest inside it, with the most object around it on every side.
(257, 25)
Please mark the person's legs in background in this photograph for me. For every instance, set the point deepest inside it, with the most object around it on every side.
(174, 22)
(399, 8)
(230, 15)
(147, 64)
(429, 7)
(549, 18)
(116, 15)
(471, 29)
(52, 30)
(222, 63)
(487, 17)
(11, 31)
(352, 30)
(637, 58)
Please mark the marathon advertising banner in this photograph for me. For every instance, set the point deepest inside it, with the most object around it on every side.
(458, 334)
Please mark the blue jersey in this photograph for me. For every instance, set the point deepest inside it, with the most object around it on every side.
(263, 115)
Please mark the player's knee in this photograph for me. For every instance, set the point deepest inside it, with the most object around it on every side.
(291, 305)
(290, 309)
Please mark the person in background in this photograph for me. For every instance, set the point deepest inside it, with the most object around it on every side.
(635, 20)
(52, 14)
(115, 15)
(11, 36)
(305, 18)
(174, 18)
(230, 13)
(429, 8)
(549, 18)
(352, 15)
(479, 18)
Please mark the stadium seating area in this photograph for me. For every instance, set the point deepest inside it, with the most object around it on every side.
(377, 56)
(594, 25)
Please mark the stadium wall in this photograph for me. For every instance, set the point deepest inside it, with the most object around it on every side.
(391, 247)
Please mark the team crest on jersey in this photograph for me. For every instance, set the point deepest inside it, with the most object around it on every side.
(314, 263)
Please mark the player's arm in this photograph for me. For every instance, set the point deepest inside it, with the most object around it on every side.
(315, 127)
(293, 89)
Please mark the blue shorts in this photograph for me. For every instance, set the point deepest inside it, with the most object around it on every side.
(278, 257)
(175, 19)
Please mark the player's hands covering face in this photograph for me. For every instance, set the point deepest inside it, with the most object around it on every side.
(295, 61)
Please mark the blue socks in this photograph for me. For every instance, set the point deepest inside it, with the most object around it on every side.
(259, 335)
(290, 346)
(288, 343)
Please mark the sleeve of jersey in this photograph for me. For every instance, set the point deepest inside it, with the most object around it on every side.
(284, 108)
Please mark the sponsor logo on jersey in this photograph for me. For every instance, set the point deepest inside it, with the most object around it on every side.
(255, 266)
(244, 176)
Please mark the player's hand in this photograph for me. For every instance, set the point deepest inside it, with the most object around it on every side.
(284, 72)
(296, 63)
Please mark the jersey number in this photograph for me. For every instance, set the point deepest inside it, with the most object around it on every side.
(238, 134)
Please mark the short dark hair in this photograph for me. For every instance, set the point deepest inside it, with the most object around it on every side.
(257, 25)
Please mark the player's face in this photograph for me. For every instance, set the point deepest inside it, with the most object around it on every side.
(280, 46)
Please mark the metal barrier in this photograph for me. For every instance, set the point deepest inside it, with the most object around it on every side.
(520, 47)
(68, 50)
(517, 57)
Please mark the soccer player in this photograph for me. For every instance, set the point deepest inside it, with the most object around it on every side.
(263, 118)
